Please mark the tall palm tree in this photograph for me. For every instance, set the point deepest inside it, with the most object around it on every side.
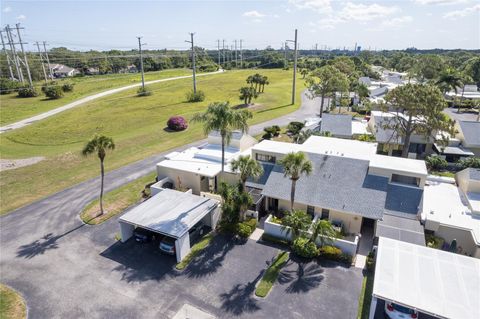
(246, 167)
(220, 117)
(295, 222)
(99, 144)
(323, 230)
(450, 80)
(294, 165)
(247, 94)
(263, 81)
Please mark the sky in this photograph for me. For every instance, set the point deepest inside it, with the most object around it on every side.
(380, 24)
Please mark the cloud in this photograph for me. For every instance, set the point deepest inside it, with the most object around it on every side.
(7, 9)
(322, 6)
(363, 12)
(253, 14)
(461, 13)
(21, 17)
(397, 22)
(439, 2)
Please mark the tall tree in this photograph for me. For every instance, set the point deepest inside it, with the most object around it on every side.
(263, 80)
(450, 80)
(295, 222)
(220, 117)
(324, 82)
(99, 144)
(295, 165)
(246, 167)
(247, 93)
(417, 110)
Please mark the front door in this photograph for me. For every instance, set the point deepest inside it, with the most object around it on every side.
(273, 204)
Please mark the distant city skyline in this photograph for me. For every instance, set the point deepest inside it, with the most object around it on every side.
(105, 25)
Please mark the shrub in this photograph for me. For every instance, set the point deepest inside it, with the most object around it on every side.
(273, 239)
(276, 220)
(199, 96)
(304, 248)
(473, 162)
(48, 84)
(144, 91)
(330, 252)
(67, 87)
(434, 241)
(244, 230)
(252, 223)
(370, 263)
(27, 92)
(295, 127)
(436, 163)
(177, 123)
(53, 92)
(8, 86)
(271, 131)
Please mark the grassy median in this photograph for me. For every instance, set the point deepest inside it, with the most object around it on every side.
(12, 305)
(195, 250)
(365, 296)
(271, 274)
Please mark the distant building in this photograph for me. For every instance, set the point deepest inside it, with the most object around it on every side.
(63, 71)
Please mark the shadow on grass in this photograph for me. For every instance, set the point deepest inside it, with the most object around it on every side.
(165, 105)
(300, 275)
(240, 298)
(366, 297)
(42, 245)
(274, 108)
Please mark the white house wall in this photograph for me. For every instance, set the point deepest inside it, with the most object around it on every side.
(464, 238)
(182, 246)
(126, 231)
(187, 179)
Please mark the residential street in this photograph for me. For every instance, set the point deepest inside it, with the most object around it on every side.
(463, 116)
(64, 268)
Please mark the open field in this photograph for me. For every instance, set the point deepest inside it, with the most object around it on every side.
(135, 123)
(13, 109)
(12, 305)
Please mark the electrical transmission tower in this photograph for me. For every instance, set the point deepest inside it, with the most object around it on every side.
(8, 57)
(44, 57)
(241, 54)
(13, 57)
(193, 62)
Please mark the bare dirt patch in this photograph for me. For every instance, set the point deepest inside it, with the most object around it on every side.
(6, 164)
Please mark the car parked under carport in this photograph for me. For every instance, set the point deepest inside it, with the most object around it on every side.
(172, 214)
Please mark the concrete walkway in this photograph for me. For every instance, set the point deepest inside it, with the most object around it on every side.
(366, 243)
(89, 98)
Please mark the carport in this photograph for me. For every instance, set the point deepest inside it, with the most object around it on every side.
(431, 281)
(171, 213)
(400, 228)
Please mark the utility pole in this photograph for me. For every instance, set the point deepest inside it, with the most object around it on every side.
(223, 50)
(294, 66)
(141, 61)
(285, 53)
(241, 54)
(218, 48)
(316, 48)
(25, 61)
(41, 61)
(193, 62)
(236, 61)
(14, 53)
(7, 55)
(48, 60)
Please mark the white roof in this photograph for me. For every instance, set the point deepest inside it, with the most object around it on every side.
(406, 165)
(360, 127)
(339, 147)
(430, 280)
(277, 147)
(445, 204)
(170, 212)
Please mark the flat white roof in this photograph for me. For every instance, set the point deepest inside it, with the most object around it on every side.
(401, 164)
(360, 127)
(170, 212)
(339, 147)
(445, 204)
(277, 147)
(430, 280)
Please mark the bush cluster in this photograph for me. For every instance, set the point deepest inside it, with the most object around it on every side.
(370, 263)
(473, 162)
(271, 131)
(436, 163)
(246, 228)
(294, 127)
(303, 247)
(53, 92)
(177, 123)
(144, 91)
(27, 92)
(335, 254)
(274, 239)
(8, 86)
(199, 96)
(67, 87)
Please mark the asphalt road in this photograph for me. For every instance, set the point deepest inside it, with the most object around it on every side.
(39, 117)
(463, 116)
(52, 258)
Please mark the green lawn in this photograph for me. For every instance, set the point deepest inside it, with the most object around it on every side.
(13, 109)
(135, 123)
(12, 305)
(365, 296)
(271, 274)
(116, 201)
(195, 250)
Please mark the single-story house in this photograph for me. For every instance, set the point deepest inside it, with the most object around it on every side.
(342, 126)
(63, 71)
(469, 135)
(464, 144)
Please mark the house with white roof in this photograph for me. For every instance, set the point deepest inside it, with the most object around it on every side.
(465, 143)
(342, 125)
(62, 71)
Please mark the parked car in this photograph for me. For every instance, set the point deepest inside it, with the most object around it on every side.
(196, 232)
(143, 235)
(394, 311)
(167, 245)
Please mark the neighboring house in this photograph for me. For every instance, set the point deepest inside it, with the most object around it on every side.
(469, 135)
(63, 71)
(468, 92)
(451, 210)
(199, 168)
(390, 143)
(342, 125)
(350, 185)
(92, 71)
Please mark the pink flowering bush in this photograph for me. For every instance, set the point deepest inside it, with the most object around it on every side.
(177, 123)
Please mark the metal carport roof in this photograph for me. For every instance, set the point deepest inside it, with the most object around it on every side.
(170, 212)
(429, 280)
(404, 229)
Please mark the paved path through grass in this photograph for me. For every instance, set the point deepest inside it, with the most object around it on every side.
(84, 100)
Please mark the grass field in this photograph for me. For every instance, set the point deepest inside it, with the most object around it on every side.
(365, 296)
(13, 109)
(12, 305)
(135, 123)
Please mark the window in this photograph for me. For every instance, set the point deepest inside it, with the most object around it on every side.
(311, 210)
(265, 158)
(402, 179)
(325, 213)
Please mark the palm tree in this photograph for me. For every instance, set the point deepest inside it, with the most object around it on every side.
(246, 167)
(295, 222)
(99, 144)
(263, 80)
(323, 231)
(294, 165)
(247, 93)
(450, 80)
(220, 117)
(304, 73)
